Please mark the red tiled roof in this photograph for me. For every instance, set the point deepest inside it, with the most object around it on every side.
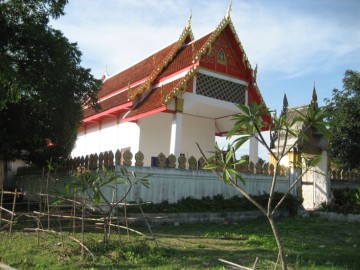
(109, 103)
(185, 56)
(135, 73)
(153, 100)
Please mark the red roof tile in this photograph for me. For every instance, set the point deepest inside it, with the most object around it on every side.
(153, 100)
(135, 73)
(109, 103)
(184, 57)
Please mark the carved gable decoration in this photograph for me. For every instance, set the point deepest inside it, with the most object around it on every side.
(223, 59)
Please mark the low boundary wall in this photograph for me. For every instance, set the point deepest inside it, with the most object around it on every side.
(166, 184)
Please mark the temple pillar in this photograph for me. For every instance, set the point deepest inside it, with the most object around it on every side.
(316, 185)
(254, 150)
(176, 134)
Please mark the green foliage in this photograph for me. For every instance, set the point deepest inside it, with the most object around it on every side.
(91, 182)
(346, 201)
(249, 123)
(219, 204)
(43, 87)
(344, 122)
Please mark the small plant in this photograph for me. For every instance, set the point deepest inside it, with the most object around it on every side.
(90, 184)
(248, 124)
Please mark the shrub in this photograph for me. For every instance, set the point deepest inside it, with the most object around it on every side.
(218, 203)
(346, 201)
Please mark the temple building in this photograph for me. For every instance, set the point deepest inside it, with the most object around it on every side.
(179, 96)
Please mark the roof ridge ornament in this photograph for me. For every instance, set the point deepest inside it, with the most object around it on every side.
(105, 74)
(255, 72)
(189, 20)
(314, 102)
(158, 67)
(227, 16)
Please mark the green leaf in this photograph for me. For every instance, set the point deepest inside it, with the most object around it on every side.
(210, 167)
(240, 141)
(67, 188)
(97, 198)
(225, 176)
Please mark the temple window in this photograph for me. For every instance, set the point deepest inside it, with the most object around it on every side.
(221, 57)
(217, 88)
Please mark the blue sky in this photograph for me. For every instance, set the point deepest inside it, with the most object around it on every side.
(294, 43)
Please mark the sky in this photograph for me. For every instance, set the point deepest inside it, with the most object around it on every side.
(294, 43)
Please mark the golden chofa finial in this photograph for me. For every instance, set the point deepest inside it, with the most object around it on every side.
(229, 11)
(189, 20)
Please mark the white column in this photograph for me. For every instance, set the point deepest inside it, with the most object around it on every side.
(254, 150)
(176, 134)
(321, 182)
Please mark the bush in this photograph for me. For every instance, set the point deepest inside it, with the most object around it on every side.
(218, 203)
(346, 201)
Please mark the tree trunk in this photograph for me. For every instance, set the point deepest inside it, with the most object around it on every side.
(278, 242)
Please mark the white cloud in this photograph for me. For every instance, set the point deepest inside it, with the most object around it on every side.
(277, 38)
(294, 44)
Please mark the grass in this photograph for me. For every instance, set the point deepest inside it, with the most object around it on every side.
(310, 243)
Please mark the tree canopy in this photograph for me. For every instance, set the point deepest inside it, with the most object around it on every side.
(345, 122)
(43, 87)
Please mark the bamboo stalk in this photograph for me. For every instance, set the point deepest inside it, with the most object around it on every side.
(117, 213)
(1, 204)
(47, 196)
(69, 217)
(13, 213)
(6, 267)
(74, 209)
(147, 223)
(126, 220)
(41, 185)
(236, 265)
(5, 210)
(132, 230)
(82, 225)
(61, 236)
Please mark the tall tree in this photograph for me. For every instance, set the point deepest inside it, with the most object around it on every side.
(345, 122)
(43, 87)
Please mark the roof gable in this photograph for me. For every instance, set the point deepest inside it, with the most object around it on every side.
(185, 36)
(154, 82)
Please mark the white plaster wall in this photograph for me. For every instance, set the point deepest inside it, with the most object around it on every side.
(79, 147)
(197, 130)
(155, 134)
(92, 140)
(109, 136)
(316, 185)
(128, 137)
(169, 184)
(12, 167)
